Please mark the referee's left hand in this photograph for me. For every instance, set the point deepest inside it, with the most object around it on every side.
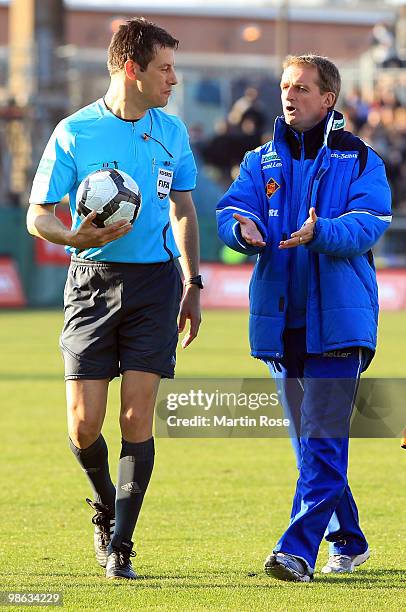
(190, 309)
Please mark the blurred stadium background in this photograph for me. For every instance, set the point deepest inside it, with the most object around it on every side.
(53, 61)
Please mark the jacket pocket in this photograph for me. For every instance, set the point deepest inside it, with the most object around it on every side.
(367, 276)
(267, 298)
(341, 285)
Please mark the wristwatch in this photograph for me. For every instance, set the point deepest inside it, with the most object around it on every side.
(195, 280)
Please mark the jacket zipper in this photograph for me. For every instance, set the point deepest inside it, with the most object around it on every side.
(298, 190)
(298, 200)
(312, 191)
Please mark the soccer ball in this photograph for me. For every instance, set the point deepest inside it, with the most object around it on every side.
(112, 193)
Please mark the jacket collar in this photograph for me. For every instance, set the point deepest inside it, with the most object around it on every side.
(314, 139)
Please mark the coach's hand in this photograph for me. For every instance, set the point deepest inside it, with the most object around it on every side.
(190, 309)
(302, 236)
(88, 235)
(249, 231)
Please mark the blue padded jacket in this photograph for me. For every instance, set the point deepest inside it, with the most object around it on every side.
(348, 187)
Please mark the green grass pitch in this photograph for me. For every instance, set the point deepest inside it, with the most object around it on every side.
(214, 508)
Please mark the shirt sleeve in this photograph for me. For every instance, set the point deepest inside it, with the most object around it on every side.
(243, 198)
(184, 178)
(56, 173)
(367, 217)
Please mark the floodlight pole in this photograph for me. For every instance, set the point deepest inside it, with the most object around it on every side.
(37, 79)
(282, 32)
(401, 31)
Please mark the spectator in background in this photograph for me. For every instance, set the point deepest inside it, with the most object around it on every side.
(217, 152)
(380, 119)
(356, 108)
(247, 139)
(196, 138)
(240, 132)
(384, 46)
(248, 107)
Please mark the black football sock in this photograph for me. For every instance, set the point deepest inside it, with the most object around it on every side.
(95, 464)
(134, 473)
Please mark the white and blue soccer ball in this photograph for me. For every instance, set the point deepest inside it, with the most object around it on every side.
(112, 193)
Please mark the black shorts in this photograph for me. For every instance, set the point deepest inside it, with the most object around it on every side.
(120, 317)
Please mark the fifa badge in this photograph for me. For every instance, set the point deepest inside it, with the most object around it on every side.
(163, 183)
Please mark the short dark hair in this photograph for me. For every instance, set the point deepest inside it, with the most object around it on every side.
(137, 40)
(328, 75)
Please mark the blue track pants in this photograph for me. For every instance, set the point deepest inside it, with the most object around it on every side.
(318, 394)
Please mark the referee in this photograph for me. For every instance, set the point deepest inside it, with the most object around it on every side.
(123, 291)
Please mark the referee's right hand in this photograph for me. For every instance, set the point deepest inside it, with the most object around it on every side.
(88, 235)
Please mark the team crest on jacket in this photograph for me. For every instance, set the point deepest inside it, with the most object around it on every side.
(271, 187)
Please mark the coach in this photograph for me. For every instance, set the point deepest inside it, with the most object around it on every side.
(312, 203)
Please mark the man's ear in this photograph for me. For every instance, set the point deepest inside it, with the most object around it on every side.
(132, 70)
(330, 99)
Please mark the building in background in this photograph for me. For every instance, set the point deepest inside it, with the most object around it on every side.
(223, 47)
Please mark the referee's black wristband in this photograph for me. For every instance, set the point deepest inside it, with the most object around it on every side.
(195, 280)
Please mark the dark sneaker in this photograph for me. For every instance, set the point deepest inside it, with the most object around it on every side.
(283, 566)
(103, 522)
(344, 564)
(118, 562)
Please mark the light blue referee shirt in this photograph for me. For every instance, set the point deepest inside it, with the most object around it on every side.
(154, 146)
